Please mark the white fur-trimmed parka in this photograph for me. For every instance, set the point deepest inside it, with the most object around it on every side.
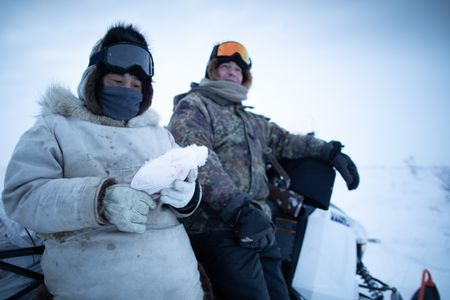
(52, 186)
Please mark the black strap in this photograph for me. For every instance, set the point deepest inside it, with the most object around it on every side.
(268, 155)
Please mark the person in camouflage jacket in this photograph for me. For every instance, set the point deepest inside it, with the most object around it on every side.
(231, 232)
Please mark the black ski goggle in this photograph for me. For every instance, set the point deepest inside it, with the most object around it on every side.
(124, 57)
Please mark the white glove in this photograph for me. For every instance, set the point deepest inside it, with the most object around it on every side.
(181, 192)
(127, 208)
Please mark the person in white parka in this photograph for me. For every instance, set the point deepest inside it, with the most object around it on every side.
(68, 180)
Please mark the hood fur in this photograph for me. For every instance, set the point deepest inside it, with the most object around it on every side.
(60, 100)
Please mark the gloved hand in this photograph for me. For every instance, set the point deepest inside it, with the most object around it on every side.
(181, 192)
(127, 208)
(253, 228)
(342, 163)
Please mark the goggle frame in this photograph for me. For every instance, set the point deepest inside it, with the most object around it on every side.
(230, 49)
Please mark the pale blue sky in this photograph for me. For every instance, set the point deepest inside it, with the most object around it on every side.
(373, 74)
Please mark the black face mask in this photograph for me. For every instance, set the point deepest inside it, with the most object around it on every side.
(120, 103)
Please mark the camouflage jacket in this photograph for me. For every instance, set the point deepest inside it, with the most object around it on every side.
(236, 139)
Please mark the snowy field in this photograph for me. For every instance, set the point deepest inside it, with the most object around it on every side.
(408, 210)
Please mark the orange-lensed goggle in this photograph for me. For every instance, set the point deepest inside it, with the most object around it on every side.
(233, 48)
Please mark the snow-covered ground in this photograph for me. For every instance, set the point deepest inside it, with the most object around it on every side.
(408, 210)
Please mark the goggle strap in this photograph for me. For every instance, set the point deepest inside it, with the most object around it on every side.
(96, 57)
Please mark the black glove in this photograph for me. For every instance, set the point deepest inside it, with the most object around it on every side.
(252, 226)
(342, 163)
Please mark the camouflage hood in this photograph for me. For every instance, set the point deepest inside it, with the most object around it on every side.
(220, 91)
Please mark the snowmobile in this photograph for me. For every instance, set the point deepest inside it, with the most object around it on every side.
(322, 247)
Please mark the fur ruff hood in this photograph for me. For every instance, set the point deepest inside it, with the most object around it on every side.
(61, 101)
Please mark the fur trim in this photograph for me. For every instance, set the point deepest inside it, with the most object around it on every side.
(60, 100)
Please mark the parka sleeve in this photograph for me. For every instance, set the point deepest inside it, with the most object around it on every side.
(190, 124)
(37, 195)
(287, 145)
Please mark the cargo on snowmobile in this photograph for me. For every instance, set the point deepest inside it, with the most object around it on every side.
(322, 247)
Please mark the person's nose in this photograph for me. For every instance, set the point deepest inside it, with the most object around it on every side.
(231, 73)
(127, 80)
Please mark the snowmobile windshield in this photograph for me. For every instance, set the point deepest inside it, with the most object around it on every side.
(125, 57)
(229, 49)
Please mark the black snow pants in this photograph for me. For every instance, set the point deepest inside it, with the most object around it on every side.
(240, 273)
